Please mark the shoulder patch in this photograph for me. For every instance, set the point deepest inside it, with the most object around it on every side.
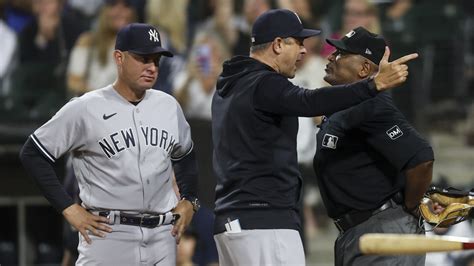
(330, 141)
(394, 132)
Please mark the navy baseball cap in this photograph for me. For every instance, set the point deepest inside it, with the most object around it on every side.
(141, 39)
(362, 42)
(279, 23)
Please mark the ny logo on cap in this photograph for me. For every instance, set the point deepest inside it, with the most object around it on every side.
(153, 35)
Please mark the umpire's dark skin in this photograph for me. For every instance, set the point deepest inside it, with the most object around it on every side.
(345, 68)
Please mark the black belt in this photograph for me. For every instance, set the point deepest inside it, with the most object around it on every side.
(142, 220)
(350, 220)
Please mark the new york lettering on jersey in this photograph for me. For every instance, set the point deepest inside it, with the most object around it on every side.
(125, 139)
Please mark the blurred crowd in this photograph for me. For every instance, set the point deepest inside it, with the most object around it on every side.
(53, 50)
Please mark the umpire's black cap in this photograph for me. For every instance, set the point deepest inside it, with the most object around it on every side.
(362, 42)
(140, 38)
(279, 23)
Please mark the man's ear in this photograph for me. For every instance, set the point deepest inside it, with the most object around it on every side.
(118, 56)
(277, 45)
(366, 69)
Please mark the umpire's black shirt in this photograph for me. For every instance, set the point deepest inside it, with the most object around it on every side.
(362, 153)
(254, 126)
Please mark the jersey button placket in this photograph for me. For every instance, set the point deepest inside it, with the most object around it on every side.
(136, 118)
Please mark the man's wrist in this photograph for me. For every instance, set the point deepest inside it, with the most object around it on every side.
(194, 201)
(373, 85)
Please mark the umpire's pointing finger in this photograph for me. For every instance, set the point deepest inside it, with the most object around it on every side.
(406, 58)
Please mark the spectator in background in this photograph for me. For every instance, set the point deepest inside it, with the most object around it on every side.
(44, 46)
(8, 43)
(251, 10)
(355, 13)
(85, 12)
(195, 86)
(18, 14)
(170, 18)
(399, 24)
(304, 9)
(50, 36)
(223, 23)
(436, 29)
(197, 12)
(92, 64)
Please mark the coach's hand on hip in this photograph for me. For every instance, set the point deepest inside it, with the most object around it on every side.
(392, 74)
(84, 221)
(186, 212)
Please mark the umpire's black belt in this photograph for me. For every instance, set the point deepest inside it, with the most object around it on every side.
(142, 219)
(350, 220)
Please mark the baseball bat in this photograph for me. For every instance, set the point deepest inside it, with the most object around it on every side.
(392, 244)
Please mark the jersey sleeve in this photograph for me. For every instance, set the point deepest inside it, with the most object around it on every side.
(185, 143)
(390, 134)
(62, 133)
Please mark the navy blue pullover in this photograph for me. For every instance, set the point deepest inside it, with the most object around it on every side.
(254, 125)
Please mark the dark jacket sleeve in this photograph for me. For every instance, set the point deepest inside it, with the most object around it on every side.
(275, 94)
(186, 173)
(422, 156)
(44, 175)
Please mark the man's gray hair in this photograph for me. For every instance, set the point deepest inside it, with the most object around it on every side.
(259, 47)
(263, 46)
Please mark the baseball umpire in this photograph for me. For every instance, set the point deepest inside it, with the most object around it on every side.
(372, 166)
(254, 124)
(125, 140)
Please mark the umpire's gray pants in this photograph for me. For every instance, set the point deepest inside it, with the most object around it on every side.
(260, 247)
(393, 220)
(129, 245)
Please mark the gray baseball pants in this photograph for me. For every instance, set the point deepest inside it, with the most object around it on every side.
(129, 245)
(260, 247)
(393, 220)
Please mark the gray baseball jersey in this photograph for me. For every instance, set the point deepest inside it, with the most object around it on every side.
(121, 153)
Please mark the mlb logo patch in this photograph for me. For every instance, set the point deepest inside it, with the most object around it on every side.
(394, 132)
(330, 141)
